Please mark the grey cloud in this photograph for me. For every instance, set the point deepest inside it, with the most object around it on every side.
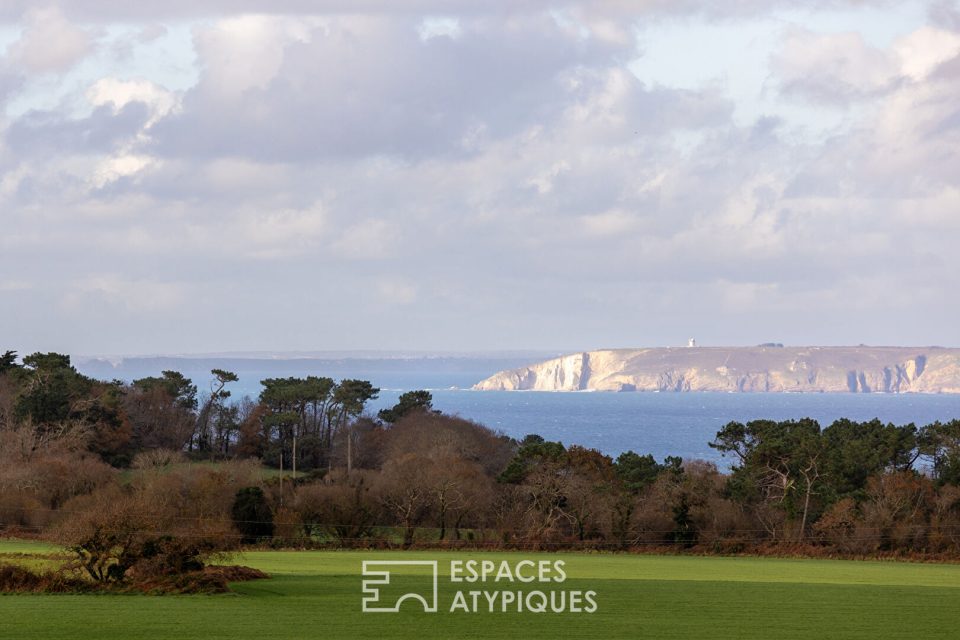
(10, 83)
(833, 69)
(380, 89)
(515, 188)
(946, 14)
(124, 11)
(49, 43)
(885, 162)
(41, 133)
(121, 10)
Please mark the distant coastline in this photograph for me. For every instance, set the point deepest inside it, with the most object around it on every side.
(767, 368)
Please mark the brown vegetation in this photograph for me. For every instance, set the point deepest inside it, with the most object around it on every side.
(140, 510)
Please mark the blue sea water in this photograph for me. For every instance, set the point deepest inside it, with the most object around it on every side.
(672, 423)
(662, 424)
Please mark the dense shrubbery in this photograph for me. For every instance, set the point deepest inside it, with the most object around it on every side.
(17, 579)
(147, 480)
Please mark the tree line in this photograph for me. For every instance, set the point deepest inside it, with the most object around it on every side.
(105, 467)
(295, 422)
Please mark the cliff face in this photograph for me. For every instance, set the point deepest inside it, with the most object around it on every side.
(773, 369)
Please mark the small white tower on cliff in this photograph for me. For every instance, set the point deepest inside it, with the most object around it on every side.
(692, 342)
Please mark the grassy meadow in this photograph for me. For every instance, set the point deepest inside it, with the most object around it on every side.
(317, 594)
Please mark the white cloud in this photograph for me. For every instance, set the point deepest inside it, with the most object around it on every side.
(15, 285)
(370, 239)
(49, 42)
(120, 166)
(119, 93)
(397, 291)
(923, 50)
(833, 68)
(610, 223)
(264, 234)
(543, 181)
(111, 10)
(433, 27)
(507, 173)
(117, 292)
(842, 67)
(246, 52)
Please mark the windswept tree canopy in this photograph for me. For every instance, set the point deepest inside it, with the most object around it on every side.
(407, 402)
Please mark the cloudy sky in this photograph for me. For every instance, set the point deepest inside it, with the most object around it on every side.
(208, 175)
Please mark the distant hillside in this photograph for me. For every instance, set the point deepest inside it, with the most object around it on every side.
(388, 371)
(766, 368)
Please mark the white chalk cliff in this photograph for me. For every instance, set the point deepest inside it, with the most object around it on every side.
(771, 369)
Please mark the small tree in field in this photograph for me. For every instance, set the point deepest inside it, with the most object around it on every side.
(118, 532)
(405, 494)
(161, 522)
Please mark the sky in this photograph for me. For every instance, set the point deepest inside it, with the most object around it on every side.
(438, 175)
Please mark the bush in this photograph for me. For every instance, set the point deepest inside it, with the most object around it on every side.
(145, 529)
(842, 528)
(287, 525)
(157, 459)
(344, 507)
(17, 579)
(252, 515)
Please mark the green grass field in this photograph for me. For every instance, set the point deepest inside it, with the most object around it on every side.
(318, 595)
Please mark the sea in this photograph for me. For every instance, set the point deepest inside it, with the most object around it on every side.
(661, 424)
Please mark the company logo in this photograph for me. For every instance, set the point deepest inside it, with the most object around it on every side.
(475, 586)
(378, 576)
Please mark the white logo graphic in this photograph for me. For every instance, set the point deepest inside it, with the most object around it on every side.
(375, 577)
